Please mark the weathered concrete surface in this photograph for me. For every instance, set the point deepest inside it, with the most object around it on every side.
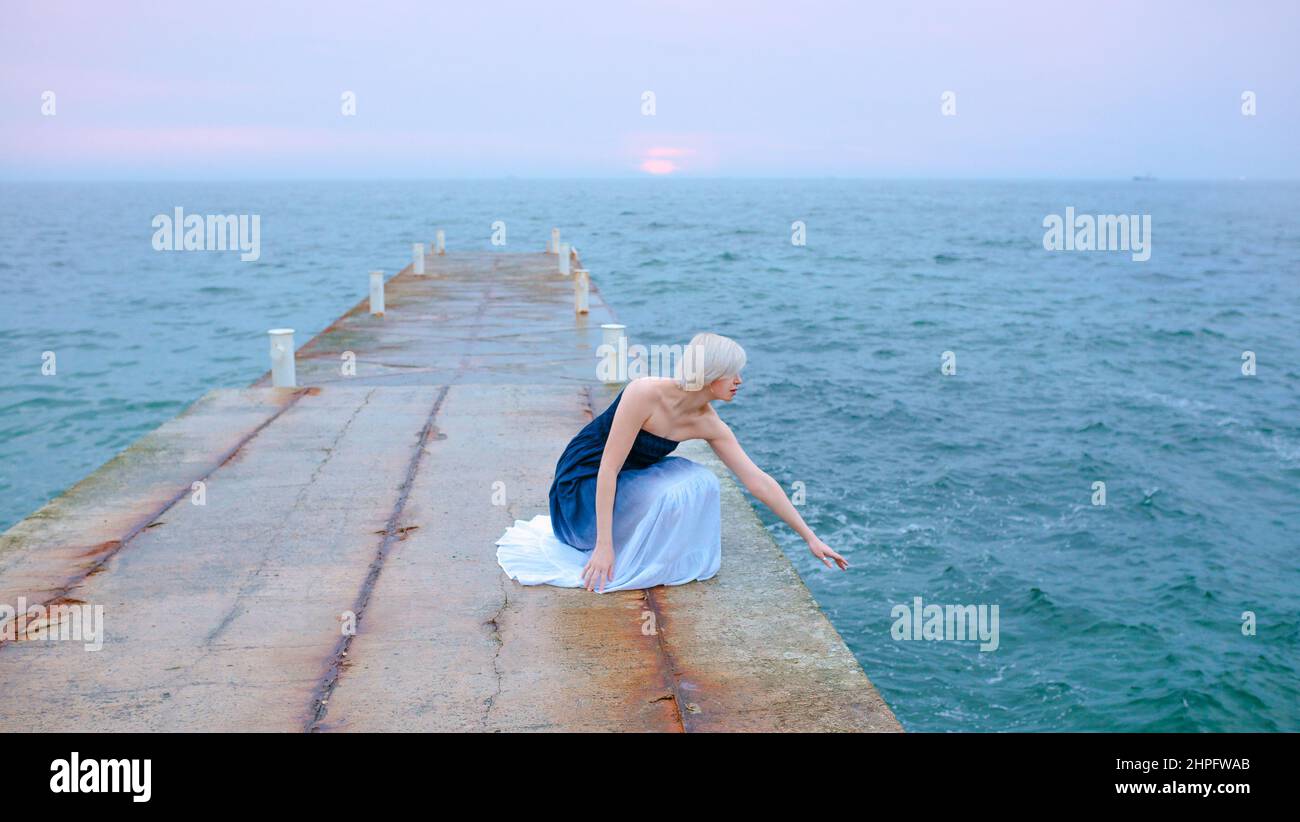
(219, 616)
(449, 642)
(382, 494)
(473, 317)
(74, 534)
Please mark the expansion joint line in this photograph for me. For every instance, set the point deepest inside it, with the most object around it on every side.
(392, 535)
(113, 547)
(667, 665)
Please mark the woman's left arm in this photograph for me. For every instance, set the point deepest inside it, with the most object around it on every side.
(759, 483)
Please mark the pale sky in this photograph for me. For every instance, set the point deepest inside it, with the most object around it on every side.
(742, 89)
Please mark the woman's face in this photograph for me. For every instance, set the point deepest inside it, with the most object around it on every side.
(724, 388)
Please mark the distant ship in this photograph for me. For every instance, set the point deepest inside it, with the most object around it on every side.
(1143, 178)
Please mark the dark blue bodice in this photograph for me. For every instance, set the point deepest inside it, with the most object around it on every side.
(573, 493)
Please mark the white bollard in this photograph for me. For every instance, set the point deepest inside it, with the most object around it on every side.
(282, 358)
(614, 336)
(553, 247)
(611, 332)
(564, 259)
(417, 264)
(442, 241)
(377, 293)
(581, 283)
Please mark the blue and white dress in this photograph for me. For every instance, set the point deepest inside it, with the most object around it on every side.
(667, 517)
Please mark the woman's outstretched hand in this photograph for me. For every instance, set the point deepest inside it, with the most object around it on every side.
(599, 571)
(823, 552)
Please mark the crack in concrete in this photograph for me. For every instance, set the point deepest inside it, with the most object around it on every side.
(495, 627)
(669, 664)
(253, 581)
(392, 534)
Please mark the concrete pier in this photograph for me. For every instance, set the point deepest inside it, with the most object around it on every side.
(380, 493)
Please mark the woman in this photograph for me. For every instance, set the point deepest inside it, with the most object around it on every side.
(624, 514)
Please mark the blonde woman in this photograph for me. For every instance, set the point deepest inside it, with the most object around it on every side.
(625, 514)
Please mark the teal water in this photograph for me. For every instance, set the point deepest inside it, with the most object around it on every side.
(967, 489)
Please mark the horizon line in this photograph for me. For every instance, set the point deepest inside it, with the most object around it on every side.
(647, 178)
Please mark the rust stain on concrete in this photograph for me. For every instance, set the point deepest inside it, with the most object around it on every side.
(393, 532)
(104, 551)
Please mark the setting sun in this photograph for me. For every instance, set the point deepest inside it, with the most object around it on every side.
(659, 166)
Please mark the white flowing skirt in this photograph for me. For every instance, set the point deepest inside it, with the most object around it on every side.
(667, 531)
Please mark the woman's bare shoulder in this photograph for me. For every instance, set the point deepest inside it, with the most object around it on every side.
(641, 397)
(655, 385)
(712, 426)
(640, 393)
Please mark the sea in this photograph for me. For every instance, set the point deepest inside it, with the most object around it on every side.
(1102, 451)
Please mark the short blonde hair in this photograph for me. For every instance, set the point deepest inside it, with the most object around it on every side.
(709, 357)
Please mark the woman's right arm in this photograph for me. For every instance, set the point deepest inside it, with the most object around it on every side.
(759, 483)
(633, 410)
